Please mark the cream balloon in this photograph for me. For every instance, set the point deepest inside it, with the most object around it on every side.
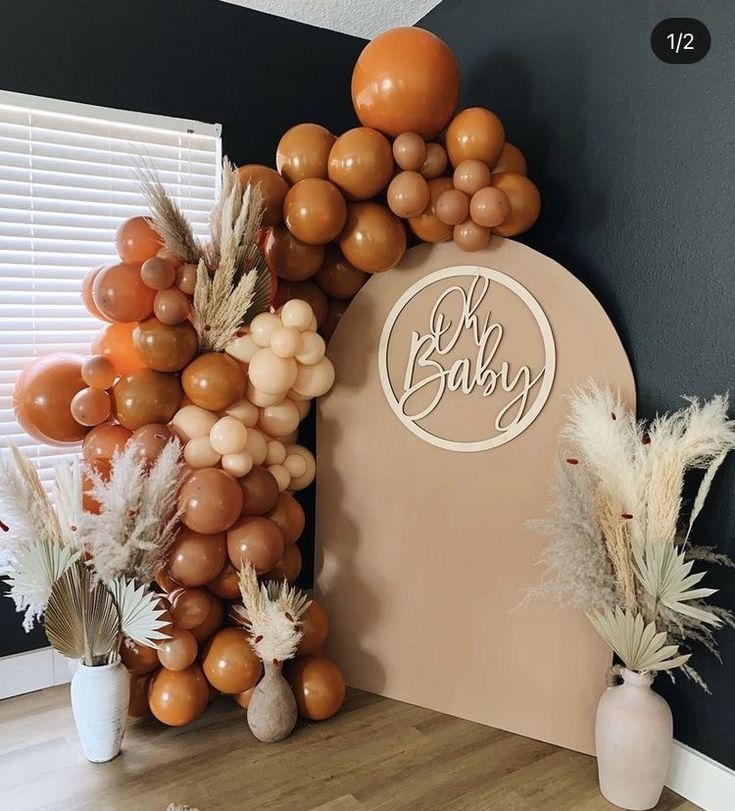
(244, 411)
(256, 446)
(302, 481)
(228, 436)
(281, 475)
(192, 421)
(297, 314)
(295, 464)
(263, 326)
(276, 453)
(313, 324)
(242, 348)
(198, 452)
(261, 399)
(292, 394)
(286, 342)
(271, 374)
(237, 464)
(279, 420)
(312, 348)
(313, 381)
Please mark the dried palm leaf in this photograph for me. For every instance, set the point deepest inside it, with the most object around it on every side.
(140, 614)
(82, 620)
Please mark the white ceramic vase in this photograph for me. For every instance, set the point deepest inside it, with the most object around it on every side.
(633, 737)
(99, 701)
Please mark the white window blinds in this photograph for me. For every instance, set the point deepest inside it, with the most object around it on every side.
(67, 180)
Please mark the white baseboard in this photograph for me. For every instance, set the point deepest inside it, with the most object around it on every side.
(33, 670)
(701, 780)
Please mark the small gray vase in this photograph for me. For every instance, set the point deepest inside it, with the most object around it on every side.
(272, 709)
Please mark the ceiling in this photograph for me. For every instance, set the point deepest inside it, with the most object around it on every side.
(361, 18)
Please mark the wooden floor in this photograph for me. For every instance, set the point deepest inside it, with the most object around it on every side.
(376, 754)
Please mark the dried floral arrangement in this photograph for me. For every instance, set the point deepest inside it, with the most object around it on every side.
(619, 546)
(87, 575)
(271, 612)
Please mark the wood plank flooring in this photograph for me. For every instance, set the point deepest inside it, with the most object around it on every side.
(376, 754)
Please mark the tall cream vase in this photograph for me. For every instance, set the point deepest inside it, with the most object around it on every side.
(633, 737)
(99, 702)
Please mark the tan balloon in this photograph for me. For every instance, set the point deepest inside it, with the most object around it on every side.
(475, 133)
(361, 163)
(237, 464)
(309, 292)
(171, 306)
(144, 396)
(303, 152)
(281, 475)
(489, 207)
(179, 651)
(149, 441)
(288, 567)
(452, 207)
(186, 279)
(262, 327)
(511, 160)
(90, 406)
(303, 481)
(279, 420)
(315, 211)
(525, 203)
(192, 421)
(408, 194)
(435, 161)
(271, 374)
(288, 257)
(256, 446)
(210, 500)
(428, 227)
(471, 175)
(312, 350)
(374, 239)
(409, 151)
(295, 464)
(228, 435)
(276, 452)
(471, 237)
(198, 453)
(189, 607)
(313, 381)
(289, 517)
(157, 273)
(259, 490)
(98, 372)
(244, 411)
(242, 348)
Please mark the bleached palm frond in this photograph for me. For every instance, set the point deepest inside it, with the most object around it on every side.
(665, 574)
(140, 615)
(81, 618)
(640, 646)
(68, 497)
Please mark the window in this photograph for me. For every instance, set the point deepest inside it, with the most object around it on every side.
(67, 180)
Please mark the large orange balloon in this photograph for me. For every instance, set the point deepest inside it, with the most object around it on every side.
(42, 398)
(87, 300)
(361, 163)
(289, 258)
(259, 490)
(119, 293)
(315, 211)
(257, 540)
(179, 651)
(272, 186)
(145, 396)
(337, 277)
(165, 348)
(475, 133)
(213, 622)
(138, 704)
(511, 160)
(229, 663)
(138, 659)
(226, 585)
(288, 516)
(308, 291)
(374, 239)
(195, 559)
(116, 343)
(101, 444)
(177, 697)
(406, 80)
(303, 152)
(136, 240)
(318, 686)
(314, 629)
(214, 381)
(211, 501)
(525, 203)
(428, 227)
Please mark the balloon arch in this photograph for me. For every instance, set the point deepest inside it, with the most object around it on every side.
(334, 211)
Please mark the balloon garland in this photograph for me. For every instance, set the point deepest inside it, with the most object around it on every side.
(173, 360)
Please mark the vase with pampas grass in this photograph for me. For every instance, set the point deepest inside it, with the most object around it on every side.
(271, 612)
(620, 551)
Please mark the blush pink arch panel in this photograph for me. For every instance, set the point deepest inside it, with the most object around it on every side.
(424, 555)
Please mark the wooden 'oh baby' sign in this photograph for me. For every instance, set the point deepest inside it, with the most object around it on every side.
(436, 447)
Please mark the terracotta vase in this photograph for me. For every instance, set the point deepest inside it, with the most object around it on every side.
(633, 736)
(272, 709)
(99, 702)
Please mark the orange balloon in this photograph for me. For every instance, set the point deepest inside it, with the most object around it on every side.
(511, 160)
(318, 686)
(475, 133)
(489, 207)
(289, 258)
(435, 161)
(337, 309)
(165, 348)
(227, 583)
(90, 406)
(214, 381)
(374, 239)
(189, 607)
(303, 152)
(408, 194)
(288, 516)
(101, 444)
(243, 699)
(308, 291)
(525, 203)
(42, 398)
(229, 663)
(409, 151)
(195, 559)
(98, 372)
(452, 206)
(272, 186)
(87, 300)
(315, 211)
(116, 344)
(119, 293)
(138, 659)
(257, 540)
(211, 501)
(138, 704)
(361, 163)
(158, 273)
(337, 277)
(314, 629)
(177, 697)
(428, 227)
(179, 651)
(469, 236)
(145, 396)
(406, 80)
(171, 306)
(166, 582)
(150, 440)
(288, 567)
(136, 240)
(259, 491)
(213, 622)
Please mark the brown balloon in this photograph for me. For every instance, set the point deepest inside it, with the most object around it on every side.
(314, 211)
(525, 203)
(213, 622)
(489, 207)
(149, 441)
(90, 406)
(256, 540)
(288, 516)
(196, 559)
(229, 663)
(259, 490)
(272, 186)
(471, 175)
(214, 381)
(361, 163)
(243, 699)
(186, 280)
(157, 273)
(337, 277)
(289, 258)
(145, 396)
(189, 607)
(288, 567)
(210, 500)
(337, 309)
(408, 194)
(138, 703)
(166, 582)
(119, 293)
(511, 160)
(409, 151)
(469, 236)
(101, 444)
(177, 697)
(374, 239)
(116, 343)
(406, 80)
(318, 686)
(139, 659)
(435, 161)
(452, 206)
(165, 348)
(308, 291)
(42, 398)
(227, 583)
(428, 227)
(314, 629)
(171, 307)
(86, 293)
(179, 651)
(136, 240)
(475, 133)
(303, 152)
